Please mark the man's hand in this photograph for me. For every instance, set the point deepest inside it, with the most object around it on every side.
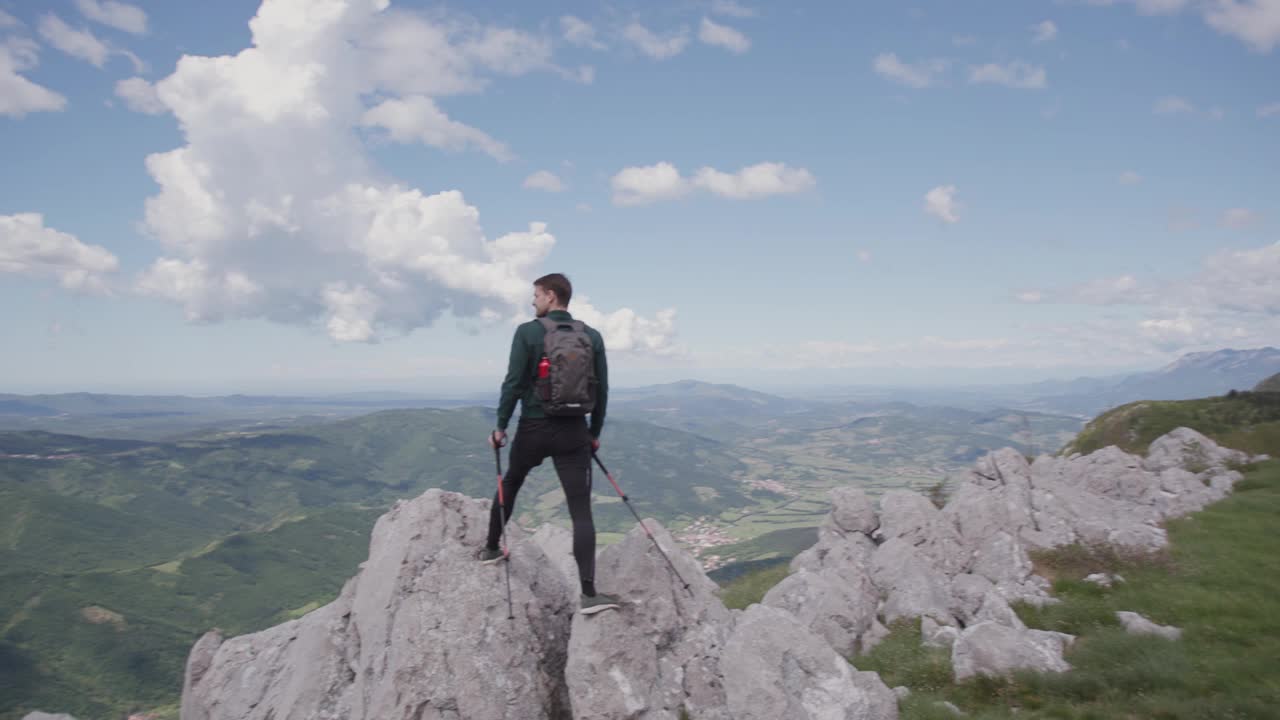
(595, 444)
(497, 438)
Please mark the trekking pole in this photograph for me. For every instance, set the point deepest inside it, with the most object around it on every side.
(502, 511)
(627, 502)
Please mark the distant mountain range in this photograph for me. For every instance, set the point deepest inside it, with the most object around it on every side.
(1196, 375)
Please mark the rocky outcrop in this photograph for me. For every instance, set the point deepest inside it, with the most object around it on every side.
(420, 632)
(672, 651)
(662, 653)
(960, 568)
(775, 668)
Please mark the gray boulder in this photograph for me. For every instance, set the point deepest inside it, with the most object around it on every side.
(420, 631)
(840, 606)
(557, 544)
(660, 653)
(912, 518)
(775, 668)
(1188, 449)
(993, 649)
(911, 585)
(1136, 624)
(852, 511)
(37, 715)
(938, 636)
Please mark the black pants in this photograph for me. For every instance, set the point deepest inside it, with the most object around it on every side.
(568, 442)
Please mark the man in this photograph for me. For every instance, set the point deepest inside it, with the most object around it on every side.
(566, 438)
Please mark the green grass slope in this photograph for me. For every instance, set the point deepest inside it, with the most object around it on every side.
(1219, 581)
(1271, 384)
(1248, 421)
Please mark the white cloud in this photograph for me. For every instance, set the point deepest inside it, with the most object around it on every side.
(544, 180)
(732, 9)
(964, 40)
(273, 207)
(580, 32)
(27, 247)
(76, 43)
(1256, 22)
(1119, 290)
(941, 203)
(1232, 281)
(1240, 219)
(755, 181)
(121, 16)
(18, 95)
(624, 331)
(406, 53)
(140, 96)
(1233, 300)
(662, 181)
(1030, 296)
(864, 256)
(656, 47)
(1148, 7)
(417, 119)
(918, 75)
(1129, 177)
(644, 185)
(723, 36)
(1016, 74)
(1173, 105)
(1269, 110)
(7, 20)
(1044, 31)
(1242, 281)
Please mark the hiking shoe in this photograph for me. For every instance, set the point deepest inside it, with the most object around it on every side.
(489, 557)
(592, 604)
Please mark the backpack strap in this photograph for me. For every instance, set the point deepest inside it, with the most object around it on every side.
(548, 324)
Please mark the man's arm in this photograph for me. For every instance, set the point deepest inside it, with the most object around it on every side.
(513, 385)
(602, 388)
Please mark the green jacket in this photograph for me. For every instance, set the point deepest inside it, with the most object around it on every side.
(526, 350)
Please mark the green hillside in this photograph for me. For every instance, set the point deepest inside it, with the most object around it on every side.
(1270, 385)
(117, 555)
(1248, 421)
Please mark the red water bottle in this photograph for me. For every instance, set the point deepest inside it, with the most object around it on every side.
(544, 367)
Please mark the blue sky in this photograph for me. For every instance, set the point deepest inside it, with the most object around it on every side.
(342, 196)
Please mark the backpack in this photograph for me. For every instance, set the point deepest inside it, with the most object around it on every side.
(569, 387)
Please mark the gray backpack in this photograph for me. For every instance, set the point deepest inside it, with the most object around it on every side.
(569, 387)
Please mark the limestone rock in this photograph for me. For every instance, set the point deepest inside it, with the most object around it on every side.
(775, 668)
(992, 649)
(1136, 624)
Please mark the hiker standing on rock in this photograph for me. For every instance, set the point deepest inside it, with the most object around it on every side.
(558, 372)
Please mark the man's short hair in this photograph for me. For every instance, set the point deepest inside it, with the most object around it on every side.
(558, 284)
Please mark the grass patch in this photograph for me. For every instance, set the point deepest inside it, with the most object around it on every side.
(751, 588)
(1219, 581)
(1248, 421)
